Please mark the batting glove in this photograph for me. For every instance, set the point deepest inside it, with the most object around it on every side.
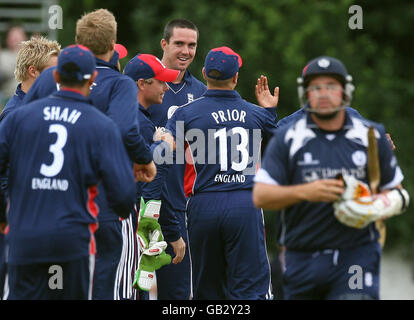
(360, 212)
(354, 188)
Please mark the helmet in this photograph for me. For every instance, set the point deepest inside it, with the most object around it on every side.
(325, 65)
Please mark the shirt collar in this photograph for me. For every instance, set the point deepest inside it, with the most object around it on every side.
(312, 125)
(72, 95)
(112, 64)
(19, 92)
(186, 79)
(222, 93)
(144, 111)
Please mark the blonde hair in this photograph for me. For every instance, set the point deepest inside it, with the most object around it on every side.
(35, 52)
(96, 30)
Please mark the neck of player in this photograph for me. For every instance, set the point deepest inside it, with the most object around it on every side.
(333, 123)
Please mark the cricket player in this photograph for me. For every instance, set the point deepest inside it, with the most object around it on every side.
(328, 223)
(179, 45)
(34, 56)
(71, 148)
(115, 95)
(151, 76)
(226, 231)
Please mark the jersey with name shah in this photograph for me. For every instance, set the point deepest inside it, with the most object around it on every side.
(61, 147)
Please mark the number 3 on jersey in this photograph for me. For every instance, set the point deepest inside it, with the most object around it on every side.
(242, 147)
(56, 149)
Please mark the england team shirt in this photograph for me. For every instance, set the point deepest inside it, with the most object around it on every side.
(224, 134)
(152, 190)
(115, 95)
(62, 148)
(177, 95)
(301, 153)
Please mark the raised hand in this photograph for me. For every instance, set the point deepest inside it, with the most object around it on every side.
(264, 98)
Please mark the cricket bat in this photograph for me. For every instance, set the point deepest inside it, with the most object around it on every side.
(374, 176)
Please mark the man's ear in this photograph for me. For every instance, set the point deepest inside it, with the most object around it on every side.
(32, 72)
(204, 73)
(235, 78)
(163, 43)
(92, 78)
(140, 84)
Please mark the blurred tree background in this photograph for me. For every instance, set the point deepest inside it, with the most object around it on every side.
(277, 39)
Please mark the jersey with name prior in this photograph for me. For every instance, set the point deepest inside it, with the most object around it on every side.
(59, 149)
(224, 134)
(301, 153)
(177, 95)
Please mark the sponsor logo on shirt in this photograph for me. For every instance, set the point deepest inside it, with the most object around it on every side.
(307, 160)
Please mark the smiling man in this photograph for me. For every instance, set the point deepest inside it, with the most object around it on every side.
(179, 44)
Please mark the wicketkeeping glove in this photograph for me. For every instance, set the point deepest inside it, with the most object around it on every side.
(149, 232)
(152, 245)
(145, 274)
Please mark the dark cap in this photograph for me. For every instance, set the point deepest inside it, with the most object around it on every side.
(224, 60)
(76, 62)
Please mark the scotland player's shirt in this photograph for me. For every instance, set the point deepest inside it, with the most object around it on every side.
(223, 133)
(301, 153)
(59, 149)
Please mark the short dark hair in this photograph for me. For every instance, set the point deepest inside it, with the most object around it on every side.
(214, 74)
(67, 81)
(178, 23)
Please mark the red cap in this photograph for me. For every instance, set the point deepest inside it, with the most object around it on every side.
(122, 51)
(148, 66)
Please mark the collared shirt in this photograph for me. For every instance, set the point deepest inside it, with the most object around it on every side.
(179, 94)
(152, 190)
(301, 152)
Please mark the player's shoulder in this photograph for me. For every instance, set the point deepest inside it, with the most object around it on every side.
(10, 106)
(187, 108)
(47, 77)
(293, 117)
(357, 119)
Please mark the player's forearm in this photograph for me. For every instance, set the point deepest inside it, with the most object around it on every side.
(276, 197)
